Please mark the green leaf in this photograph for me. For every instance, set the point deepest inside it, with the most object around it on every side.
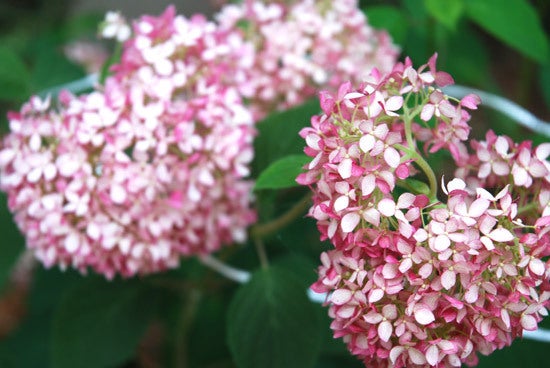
(461, 64)
(14, 76)
(29, 345)
(100, 323)
(389, 18)
(545, 83)
(415, 186)
(282, 173)
(272, 324)
(278, 134)
(446, 12)
(12, 244)
(515, 22)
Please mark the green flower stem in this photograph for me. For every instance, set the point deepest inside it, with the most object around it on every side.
(260, 231)
(527, 207)
(413, 153)
(262, 254)
(419, 160)
(185, 321)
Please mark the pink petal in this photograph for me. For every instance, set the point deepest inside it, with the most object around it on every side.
(528, 322)
(537, 170)
(385, 330)
(406, 200)
(427, 112)
(543, 151)
(350, 221)
(341, 296)
(423, 315)
(470, 101)
(389, 311)
(362, 342)
(346, 311)
(373, 317)
(505, 317)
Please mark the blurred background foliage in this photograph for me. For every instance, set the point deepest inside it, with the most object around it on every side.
(50, 318)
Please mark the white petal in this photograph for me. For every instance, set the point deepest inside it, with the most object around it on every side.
(394, 103)
(472, 294)
(350, 221)
(391, 156)
(441, 243)
(395, 352)
(34, 175)
(376, 295)
(416, 356)
(448, 279)
(537, 266)
(368, 184)
(424, 316)
(385, 330)
(456, 184)
(344, 169)
(366, 143)
(432, 355)
(118, 194)
(341, 203)
(72, 243)
(387, 207)
(372, 216)
(501, 234)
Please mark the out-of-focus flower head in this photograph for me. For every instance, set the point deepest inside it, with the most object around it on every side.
(305, 45)
(150, 167)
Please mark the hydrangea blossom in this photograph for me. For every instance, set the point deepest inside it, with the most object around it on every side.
(414, 281)
(325, 43)
(148, 168)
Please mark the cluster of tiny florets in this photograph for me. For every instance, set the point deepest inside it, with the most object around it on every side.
(152, 164)
(148, 168)
(305, 45)
(414, 281)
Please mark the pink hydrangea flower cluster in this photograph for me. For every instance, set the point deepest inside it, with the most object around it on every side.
(414, 281)
(304, 45)
(151, 166)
